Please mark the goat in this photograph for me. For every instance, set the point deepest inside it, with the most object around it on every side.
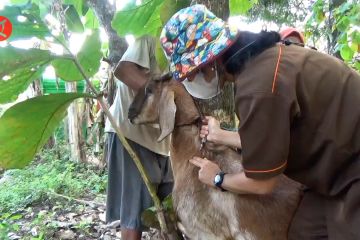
(205, 212)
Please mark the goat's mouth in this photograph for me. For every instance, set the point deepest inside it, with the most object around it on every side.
(134, 120)
(133, 115)
(138, 120)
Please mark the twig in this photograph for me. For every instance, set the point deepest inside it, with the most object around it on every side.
(89, 203)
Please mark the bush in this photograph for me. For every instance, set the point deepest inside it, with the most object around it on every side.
(21, 187)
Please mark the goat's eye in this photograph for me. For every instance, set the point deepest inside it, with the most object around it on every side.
(148, 91)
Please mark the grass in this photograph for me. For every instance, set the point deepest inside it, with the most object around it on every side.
(25, 192)
(32, 184)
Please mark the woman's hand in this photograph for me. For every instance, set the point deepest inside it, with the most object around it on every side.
(207, 170)
(210, 129)
(213, 133)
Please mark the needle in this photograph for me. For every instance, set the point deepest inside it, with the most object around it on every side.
(203, 141)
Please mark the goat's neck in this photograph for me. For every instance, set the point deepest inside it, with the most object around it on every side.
(186, 111)
(185, 136)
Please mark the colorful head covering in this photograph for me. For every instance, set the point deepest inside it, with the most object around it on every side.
(194, 36)
(290, 31)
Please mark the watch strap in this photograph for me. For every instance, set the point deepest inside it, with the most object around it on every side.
(218, 183)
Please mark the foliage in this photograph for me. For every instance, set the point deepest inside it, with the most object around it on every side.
(89, 57)
(7, 224)
(140, 20)
(72, 19)
(338, 24)
(149, 219)
(241, 7)
(21, 187)
(147, 19)
(334, 22)
(26, 22)
(27, 196)
(280, 12)
(19, 68)
(24, 129)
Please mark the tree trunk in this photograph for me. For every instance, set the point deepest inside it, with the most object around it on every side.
(333, 34)
(74, 125)
(222, 107)
(219, 7)
(117, 46)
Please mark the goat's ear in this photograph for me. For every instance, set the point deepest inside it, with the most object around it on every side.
(167, 110)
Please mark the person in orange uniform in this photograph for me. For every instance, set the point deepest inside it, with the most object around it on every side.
(299, 113)
(292, 35)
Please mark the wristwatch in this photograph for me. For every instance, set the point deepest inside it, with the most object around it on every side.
(218, 180)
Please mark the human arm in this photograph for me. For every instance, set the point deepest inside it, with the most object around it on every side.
(236, 182)
(130, 73)
(135, 65)
(213, 133)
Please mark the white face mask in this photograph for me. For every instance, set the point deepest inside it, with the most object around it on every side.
(200, 88)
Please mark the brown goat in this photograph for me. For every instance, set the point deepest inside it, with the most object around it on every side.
(205, 212)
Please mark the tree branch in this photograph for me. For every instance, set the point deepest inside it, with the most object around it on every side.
(105, 12)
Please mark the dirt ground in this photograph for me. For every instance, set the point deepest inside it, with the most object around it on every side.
(61, 218)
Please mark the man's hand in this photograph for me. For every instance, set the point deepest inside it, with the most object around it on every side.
(207, 170)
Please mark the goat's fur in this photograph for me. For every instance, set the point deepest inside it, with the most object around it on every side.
(205, 212)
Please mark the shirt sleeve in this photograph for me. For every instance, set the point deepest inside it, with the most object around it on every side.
(140, 52)
(265, 134)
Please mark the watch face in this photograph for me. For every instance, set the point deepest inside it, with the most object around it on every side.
(217, 178)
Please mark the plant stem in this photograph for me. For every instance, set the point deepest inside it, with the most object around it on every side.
(132, 153)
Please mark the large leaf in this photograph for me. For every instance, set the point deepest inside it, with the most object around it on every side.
(346, 52)
(89, 57)
(78, 4)
(240, 7)
(26, 126)
(26, 22)
(19, 68)
(91, 20)
(170, 7)
(138, 20)
(72, 19)
(160, 57)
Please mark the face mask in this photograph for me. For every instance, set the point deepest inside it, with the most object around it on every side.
(200, 88)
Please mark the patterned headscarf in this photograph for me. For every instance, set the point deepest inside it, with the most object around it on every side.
(193, 37)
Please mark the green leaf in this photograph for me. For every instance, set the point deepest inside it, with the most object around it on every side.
(343, 24)
(19, 2)
(19, 67)
(343, 38)
(357, 65)
(89, 57)
(346, 52)
(78, 5)
(26, 126)
(72, 19)
(16, 217)
(344, 7)
(170, 7)
(44, 6)
(91, 20)
(138, 20)
(355, 37)
(320, 16)
(241, 7)
(32, 26)
(160, 57)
